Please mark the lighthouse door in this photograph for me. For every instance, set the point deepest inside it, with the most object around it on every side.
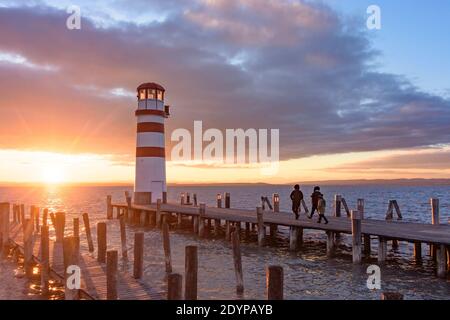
(157, 189)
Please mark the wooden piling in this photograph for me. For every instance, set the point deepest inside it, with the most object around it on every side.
(174, 286)
(344, 204)
(227, 230)
(87, 229)
(22, 213)
(435, 220)
(53, 220)
(28, 247)
(142, 217)
(367, 245)
(101, 242)
(111, 275)
(261, 228)
(45, 260)
(195, 224)
(164, 197)
(191, 270)
(71, 258)
(138, 265)
(166, 245)
(179, 220)
(60, 226)
(37, 220)
(216, 226)
(441, 261)
(109, 208)
(4, 226)
(123, 237)
(201, 220)
(293, 238)
(195, 199)
(274, 282)
(45, 217)
(417, 251)
(382, 250)
(158, 213)
(337, 205)
(356, 236)
(330, 244)
(236, 245)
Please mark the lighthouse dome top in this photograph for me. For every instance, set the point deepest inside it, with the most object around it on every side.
(151, 85)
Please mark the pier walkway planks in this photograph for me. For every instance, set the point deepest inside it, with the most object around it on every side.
(93, 273)
(399, 230)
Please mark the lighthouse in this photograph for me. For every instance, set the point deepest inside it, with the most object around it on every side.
(150, 179)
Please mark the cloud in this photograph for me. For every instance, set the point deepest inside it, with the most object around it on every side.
(291, 65)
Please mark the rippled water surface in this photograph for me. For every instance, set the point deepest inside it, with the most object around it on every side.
(309, 274)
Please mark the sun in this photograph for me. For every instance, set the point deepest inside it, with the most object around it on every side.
(52, 175)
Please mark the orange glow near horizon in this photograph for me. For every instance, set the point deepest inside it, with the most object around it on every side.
(58, 168)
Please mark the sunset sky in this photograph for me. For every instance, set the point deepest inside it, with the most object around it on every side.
(350, 103)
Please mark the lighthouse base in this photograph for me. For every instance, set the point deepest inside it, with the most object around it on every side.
(142, 198)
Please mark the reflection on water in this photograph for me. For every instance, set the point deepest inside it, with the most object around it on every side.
(309, 274)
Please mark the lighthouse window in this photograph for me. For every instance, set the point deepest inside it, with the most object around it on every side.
(151, 94)
(142, 94)
(160, 95)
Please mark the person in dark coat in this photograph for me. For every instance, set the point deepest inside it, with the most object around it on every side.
(315, 196)
(296, 197)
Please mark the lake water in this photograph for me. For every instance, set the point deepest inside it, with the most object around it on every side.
(309, 274)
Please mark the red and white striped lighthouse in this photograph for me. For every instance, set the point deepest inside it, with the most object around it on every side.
(150, 180)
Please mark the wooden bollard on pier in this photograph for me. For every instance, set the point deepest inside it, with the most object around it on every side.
(194, 196)
(101, 242)
(76, 228)
(219, 200)
(191, 270)
(111, 275)
(22, 213)
(435, 220)
(87, 228)
(236, 245)
(28, 247)
(71, 258)
(261, 227)
(53, 220)
(36, 215)
(45, 217)
(356, 236)
(45, 260)
(138, 265)
(60, 226)
(174, 286)
(166, 245)
(274, 282)
(109, 208)
(227, 200)
(182, 199)
(201, 220)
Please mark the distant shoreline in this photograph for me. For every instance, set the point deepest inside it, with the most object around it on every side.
(376, 182)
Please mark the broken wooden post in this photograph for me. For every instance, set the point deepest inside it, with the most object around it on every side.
(111, 275)
(201, 220)
(109, 208)
(382, 249)
(237, 262)
(123, 237)
(45, 260)
(87, 229)
(166, 245)
(219, 200)
(344, 204)
(138, 265)
(191, 270)
(261, 227)
(71, 263)
(101, 242)
(337, 205)
(188, 198)
(174, 286)
(60, 226)
(195, 199)
(227, 200)
(441, 261)
(274, 282)
(356, 236)
(391, 296)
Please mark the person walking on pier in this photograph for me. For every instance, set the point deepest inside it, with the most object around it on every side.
(317, 197)
(296, 197)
